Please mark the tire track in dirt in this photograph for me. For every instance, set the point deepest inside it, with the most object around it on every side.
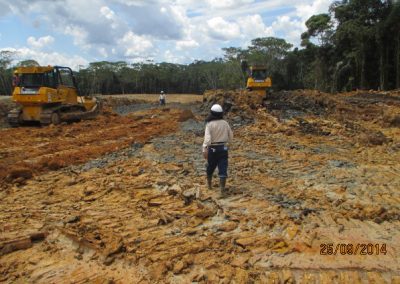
(29, 151)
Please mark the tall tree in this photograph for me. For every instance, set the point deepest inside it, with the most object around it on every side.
(28, 63)
(320, 27)
(355, 34)
(6, 58)
(233, 76)
(391, 31)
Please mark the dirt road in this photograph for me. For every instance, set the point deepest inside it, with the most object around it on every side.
(314, 196)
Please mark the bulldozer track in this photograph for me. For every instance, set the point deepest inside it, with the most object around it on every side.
(68, 113)
(13, 117)
(45, 116)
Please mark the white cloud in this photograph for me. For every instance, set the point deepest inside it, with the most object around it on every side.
(186, 44)
(223, 4)
(171, 57)
(220, 29)
(292, 25)
(137, 3)
(103, 52)
(109, 15)
(107, 12)
(135, 46)
(291, 28)
(117, 29)
(79, 35)
(40, 42)
(253, 26)
(306, 10)
(48, 58)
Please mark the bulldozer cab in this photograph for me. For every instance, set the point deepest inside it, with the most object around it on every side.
(45, 84)
(258, 73)
(66, 77)
(50, 77)
(30, 83)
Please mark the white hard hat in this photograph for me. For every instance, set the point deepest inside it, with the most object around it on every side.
(216, 108)
(162, 92)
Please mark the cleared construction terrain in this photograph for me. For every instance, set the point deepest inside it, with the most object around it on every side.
(314, 193)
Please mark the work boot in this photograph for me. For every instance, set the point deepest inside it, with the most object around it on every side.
(209, 182)
(222, 182)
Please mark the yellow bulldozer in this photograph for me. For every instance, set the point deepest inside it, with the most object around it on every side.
(49, 95)
(258, 81)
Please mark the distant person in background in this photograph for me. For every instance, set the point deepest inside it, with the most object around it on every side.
(162, 98)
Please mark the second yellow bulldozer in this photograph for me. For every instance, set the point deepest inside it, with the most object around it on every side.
(258, 81)
(49, 95)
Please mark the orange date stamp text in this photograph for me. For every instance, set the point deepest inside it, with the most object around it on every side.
(352, 249)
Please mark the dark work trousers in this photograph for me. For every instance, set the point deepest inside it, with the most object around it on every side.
(218, 156)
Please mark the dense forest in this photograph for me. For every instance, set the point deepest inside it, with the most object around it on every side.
(354, 46)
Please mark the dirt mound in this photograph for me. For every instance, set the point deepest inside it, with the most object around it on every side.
(119, 101)
(5, 106)
(234, 102)
(359, 116)
(366, 105)
(186, 115)
(286, 104)
(296, 103)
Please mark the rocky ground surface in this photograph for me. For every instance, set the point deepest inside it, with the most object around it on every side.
(5, 106)
(122, 199)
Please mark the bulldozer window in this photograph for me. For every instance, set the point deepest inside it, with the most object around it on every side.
(66, 77)
(36, 80)
(259, 74)
(49, 79)
(31, 80)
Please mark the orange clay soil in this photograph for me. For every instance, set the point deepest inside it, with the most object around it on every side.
(31, 150)
(314, 194)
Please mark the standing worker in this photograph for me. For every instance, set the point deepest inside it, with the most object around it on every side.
(162, 98)
(215, 150)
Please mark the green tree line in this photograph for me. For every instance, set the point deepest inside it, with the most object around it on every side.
(354, 46)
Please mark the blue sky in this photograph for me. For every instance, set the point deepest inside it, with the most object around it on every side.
(74, 32)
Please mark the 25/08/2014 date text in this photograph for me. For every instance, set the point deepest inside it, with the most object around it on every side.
(352, 249)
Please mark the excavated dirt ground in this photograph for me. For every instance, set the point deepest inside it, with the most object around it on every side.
(122, 199)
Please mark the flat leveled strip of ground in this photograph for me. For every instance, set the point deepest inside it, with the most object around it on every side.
(29, 150)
